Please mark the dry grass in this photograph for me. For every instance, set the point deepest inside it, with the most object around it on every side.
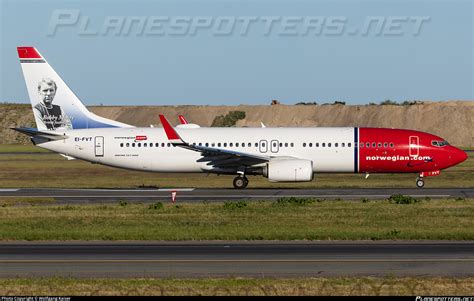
(240, 286)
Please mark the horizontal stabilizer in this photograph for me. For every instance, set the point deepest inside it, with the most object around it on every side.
(45, 134)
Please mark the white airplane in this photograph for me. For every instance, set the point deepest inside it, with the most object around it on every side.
(64, 125)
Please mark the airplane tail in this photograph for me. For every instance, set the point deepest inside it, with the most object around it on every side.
(55, 106)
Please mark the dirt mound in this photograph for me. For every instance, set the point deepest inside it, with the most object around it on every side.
(451, 120)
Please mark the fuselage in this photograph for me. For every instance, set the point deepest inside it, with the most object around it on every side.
(332, 150)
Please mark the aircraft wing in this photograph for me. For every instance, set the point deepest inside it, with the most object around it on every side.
(214, 156)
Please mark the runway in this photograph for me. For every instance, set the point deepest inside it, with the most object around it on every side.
(224, 259)
(193, 195)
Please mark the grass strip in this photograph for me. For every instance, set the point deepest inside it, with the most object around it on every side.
(293, 219)
(240, 286)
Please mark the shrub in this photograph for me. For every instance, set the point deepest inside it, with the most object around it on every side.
(411, 102)
(394, 233)
(294, 201)
(302, 103)
(339, 103)
(229, 120)
(389, 102)
(123, 203)
(402, 199)
(235, 205)
(156, 206)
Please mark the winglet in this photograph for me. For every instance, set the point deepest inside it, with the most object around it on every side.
(182, 119)
(169, 130)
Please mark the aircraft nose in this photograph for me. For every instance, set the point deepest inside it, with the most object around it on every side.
(458, 156)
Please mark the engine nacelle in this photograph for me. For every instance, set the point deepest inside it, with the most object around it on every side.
(289, 170)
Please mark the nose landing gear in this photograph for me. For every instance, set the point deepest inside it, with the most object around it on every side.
(419, 182)
(240, 182)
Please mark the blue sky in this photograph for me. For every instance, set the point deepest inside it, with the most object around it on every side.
(115, 68)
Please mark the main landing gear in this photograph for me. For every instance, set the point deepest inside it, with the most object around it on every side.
(240, 182)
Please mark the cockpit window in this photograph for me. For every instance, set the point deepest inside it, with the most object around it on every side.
(439, 143)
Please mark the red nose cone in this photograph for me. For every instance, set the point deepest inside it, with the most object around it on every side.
(459, 156)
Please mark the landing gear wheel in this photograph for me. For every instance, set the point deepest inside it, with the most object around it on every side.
(420, 183)
(240, 182)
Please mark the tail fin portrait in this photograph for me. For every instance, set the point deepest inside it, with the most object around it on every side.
(55, 106)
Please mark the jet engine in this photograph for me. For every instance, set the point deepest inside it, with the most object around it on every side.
(289, 170)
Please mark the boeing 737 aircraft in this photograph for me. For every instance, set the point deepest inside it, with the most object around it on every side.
(64, 125)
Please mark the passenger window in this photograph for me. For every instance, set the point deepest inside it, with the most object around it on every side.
(256, 144)
(304, 144)
(343, 144)
(349, 144)
(323, 144)
(286, 144)
(329, 144)
(292, 144)
(374, 144)
(236, 144)
(128, 144)
(317, 144)
(379, 144)
(281, 144)
(335, 144)
(249, 144)
(219, 144)
(169, 144)
(207, 144)
(121, 144)
(144, 144)
(162, 144)
(213, 144)
(310, 144)
(391, 145)
(231, 144)
(385, 144)
(133, 144)
(367, 144)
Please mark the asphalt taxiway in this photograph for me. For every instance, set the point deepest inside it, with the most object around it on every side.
(191, 195)
(224, 259)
